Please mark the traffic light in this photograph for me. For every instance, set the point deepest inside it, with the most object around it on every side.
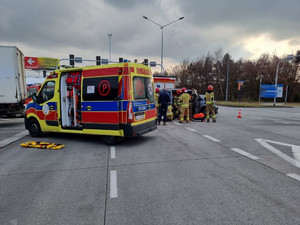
(145, 62)
(98, 60)
(72, 61)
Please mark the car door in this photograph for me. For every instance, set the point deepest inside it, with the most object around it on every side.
(47, 105)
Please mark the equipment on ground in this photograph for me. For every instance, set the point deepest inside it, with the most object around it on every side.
(42, 145)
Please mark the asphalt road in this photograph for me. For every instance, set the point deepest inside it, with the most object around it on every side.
(235, 171)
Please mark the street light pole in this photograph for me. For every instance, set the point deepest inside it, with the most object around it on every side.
(260, 79)
(276, 79)
(226, 97)
(109, 36)
(162, 37)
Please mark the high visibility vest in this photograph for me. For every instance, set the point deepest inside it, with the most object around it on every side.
(210, 97)
(175, 101)
(185, 99)
(156, 99)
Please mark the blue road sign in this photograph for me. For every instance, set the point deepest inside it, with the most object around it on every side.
(270, 91)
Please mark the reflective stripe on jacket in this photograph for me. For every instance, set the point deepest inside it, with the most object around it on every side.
(209, 97)
(185, 99)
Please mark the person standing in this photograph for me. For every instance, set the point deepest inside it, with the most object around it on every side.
(163, 99)
(176, 104)
(156, 101)
(210, 100)
(194, 98)
(185, 100)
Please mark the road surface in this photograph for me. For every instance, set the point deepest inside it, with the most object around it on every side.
(235, 171)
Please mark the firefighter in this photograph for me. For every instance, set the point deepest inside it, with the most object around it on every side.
(193, 105)
(156, 100)
(185, 100)
(210, 99)
(176, 104)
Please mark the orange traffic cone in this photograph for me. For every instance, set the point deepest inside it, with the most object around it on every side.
(240, 114)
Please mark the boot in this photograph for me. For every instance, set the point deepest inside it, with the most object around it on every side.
(207, 120)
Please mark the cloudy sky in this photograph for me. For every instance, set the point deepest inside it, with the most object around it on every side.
(56, 28)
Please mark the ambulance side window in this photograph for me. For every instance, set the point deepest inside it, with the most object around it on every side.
(100, 89)
(47, 92)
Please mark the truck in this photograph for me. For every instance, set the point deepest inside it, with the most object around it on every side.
(13, 91)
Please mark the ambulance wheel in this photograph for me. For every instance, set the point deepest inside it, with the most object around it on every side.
(34, 128)
(110, 140)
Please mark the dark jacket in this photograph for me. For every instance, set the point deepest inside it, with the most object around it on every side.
(164, 98)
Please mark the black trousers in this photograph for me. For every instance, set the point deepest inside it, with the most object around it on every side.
(163, 112)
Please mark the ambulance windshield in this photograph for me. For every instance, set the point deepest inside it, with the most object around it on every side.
(143, 88)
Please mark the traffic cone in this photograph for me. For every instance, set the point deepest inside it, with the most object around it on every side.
(240, 114)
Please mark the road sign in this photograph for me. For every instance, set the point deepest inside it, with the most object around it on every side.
(279, 90)
(40, 63)
(31, 63)
(270, 91)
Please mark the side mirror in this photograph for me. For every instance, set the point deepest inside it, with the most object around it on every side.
(34, 98)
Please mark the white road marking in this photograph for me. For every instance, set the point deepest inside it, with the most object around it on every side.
(256, 118)
(179, 124)
(113, 184)
(296, 152)
(295, 176)
(237, 150)
(9, 140)
(14, 222)
(277, 152)
(190, 129)
(278, 121)
(112, 152)
(211, 138)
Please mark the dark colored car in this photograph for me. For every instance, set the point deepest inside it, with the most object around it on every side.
(202, 106)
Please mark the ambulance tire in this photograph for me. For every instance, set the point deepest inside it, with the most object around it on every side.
(34, 128)
(110, 140)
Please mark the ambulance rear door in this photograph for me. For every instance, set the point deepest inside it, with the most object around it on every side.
(100, 105)
(144, 102)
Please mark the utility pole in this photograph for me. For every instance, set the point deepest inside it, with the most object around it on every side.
(227, 78)
(109, 37)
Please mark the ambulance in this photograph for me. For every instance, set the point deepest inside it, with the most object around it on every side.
(114, 100)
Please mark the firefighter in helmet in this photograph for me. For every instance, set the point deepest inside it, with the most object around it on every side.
(176, 104)
(156, 100)
(210, 100)
(185, 100)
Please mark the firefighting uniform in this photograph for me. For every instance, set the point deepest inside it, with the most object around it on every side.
(210, 106)
(184, 108)
(176, 105)
(157, 104)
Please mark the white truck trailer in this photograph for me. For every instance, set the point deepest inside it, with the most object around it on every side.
(12, 81)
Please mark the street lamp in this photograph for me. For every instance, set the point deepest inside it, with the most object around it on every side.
(162, 37)
(109, 36)
(260, 80)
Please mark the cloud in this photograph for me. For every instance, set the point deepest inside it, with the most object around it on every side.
(57, 28)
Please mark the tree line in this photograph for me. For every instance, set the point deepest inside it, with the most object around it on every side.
(213, 69)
